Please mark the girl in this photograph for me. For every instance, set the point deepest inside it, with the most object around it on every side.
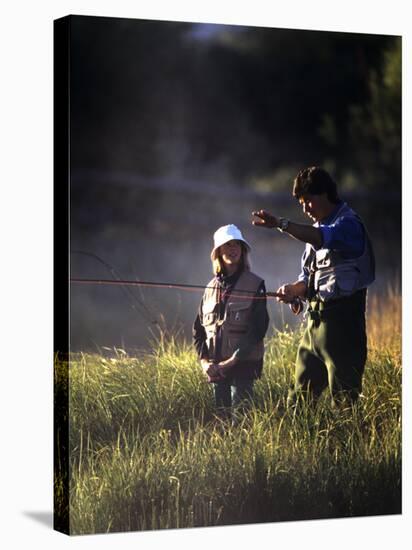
(231, 323)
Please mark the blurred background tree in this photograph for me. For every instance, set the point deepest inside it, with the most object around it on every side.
(178, 128)
(375, 127)
(231, 104)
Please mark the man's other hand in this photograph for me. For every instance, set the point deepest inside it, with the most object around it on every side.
(288, 293)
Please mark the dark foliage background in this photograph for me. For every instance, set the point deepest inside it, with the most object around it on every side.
(178, 128)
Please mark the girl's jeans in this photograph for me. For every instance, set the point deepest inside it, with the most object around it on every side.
(236, 393)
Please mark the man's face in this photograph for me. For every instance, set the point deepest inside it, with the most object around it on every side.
(315, 206)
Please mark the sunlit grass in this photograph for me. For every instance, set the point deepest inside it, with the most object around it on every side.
(147, 452)
(385, 319)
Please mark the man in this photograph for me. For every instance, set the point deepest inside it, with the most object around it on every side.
(337, 267)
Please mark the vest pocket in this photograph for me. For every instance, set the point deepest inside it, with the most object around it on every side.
(336, 282)
(347, 280)
(323, 258)
(237, 313)
(209, 316)
(325, 284)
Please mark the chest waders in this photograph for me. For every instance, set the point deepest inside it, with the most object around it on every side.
(333, 350)
(332, 353)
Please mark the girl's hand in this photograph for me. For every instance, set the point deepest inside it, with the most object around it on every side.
(227, 363)
(225, 366)
(205, 364)
(209, 368)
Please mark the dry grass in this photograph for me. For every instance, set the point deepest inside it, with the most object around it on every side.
(146, 452)
(384, 320)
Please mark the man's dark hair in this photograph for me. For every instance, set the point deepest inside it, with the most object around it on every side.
(315, 181)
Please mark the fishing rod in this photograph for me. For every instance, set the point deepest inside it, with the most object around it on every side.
(142, 308)
(179, 286)
(296, 304)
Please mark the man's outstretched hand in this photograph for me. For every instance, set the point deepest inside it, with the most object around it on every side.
(265, 219)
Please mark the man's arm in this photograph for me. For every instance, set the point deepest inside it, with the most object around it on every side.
(199, 337)
(302, 232)
(199, 340)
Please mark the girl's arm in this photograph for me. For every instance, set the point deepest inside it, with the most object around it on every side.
(199, 336)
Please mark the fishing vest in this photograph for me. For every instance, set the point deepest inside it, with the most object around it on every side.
(236, 319)
(333, 276)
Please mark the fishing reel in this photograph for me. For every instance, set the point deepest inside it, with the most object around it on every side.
(297, 305)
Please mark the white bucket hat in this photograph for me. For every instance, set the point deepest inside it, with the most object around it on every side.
(225, 234)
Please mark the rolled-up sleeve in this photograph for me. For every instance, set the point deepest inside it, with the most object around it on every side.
(304, 272)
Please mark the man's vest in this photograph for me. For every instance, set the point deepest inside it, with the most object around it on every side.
(334, 276)
(236, 319)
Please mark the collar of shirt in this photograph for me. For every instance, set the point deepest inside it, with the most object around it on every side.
(227, 282)
(330, 218)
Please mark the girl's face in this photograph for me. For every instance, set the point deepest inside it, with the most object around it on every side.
(231, 253)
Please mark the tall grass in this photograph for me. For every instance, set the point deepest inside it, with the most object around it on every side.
(384, 319)
(147, 452)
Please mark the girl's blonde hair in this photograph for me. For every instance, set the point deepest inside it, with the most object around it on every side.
(218, 264)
